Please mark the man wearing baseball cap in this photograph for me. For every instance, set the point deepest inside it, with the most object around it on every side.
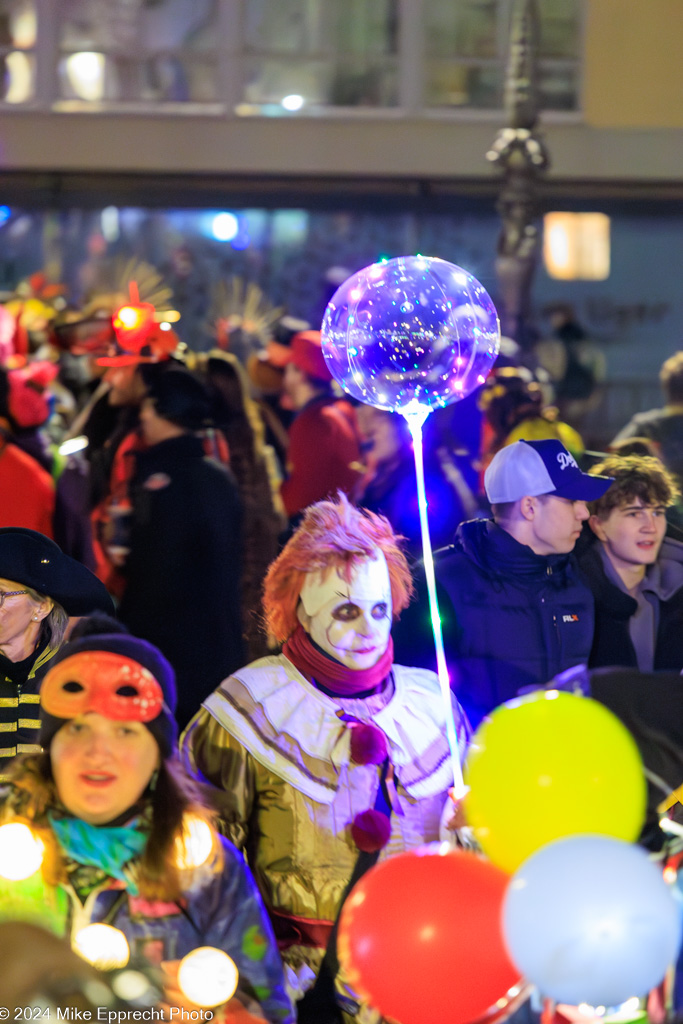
(514, 607)
(324, 452)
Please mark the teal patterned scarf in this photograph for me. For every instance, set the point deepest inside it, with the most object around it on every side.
(109, 849)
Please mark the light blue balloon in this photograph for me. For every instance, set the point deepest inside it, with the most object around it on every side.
(411, 331)
(589, 919)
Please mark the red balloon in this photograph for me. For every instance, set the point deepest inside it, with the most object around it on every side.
(420, 938)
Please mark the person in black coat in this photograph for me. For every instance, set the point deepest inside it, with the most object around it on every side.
(184, 567)
(390, 487)
(634, 569)
(514, 608)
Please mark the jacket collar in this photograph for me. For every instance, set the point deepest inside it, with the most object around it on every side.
(496, 551)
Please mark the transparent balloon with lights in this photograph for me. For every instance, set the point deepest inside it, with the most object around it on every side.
(410, 335)
(411, 330)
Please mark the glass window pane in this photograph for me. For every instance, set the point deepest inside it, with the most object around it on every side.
(459, 85)
(558, 87)
(312, 27)
(559, 21)
(478, 31)
(119, 51)
(163, 25)
(465, 29)
(96, 77)
(18, 73)
(319, 83)
(18, 24)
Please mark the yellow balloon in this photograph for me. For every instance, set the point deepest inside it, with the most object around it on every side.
(551, 765)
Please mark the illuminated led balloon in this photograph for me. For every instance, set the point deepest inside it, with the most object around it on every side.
(411, 330)
(21, 853)
(208, 976)
(102, 946)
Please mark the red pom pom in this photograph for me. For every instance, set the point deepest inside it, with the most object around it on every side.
(368, 744)
(370, 830)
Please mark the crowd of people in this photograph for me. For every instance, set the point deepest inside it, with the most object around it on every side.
(221, 546)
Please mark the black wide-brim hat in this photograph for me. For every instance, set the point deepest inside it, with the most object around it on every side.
(32, 559)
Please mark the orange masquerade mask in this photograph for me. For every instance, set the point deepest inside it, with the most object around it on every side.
(101, 681)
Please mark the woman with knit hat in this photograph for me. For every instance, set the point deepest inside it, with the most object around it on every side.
(40, 588)
(327, 756)
(127, 840)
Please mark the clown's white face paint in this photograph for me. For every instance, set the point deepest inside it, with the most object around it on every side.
(349, 621)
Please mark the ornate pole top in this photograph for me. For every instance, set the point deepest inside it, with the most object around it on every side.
(521, 154)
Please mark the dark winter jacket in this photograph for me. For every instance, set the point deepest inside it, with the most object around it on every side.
(512, 619)
(612, 644)
(392, 492)
(184, 567)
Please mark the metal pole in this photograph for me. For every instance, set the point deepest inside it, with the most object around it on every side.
(520, 152)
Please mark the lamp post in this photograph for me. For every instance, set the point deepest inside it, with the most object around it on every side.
(521, 154)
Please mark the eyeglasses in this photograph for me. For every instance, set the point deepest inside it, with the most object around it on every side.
(10, 593)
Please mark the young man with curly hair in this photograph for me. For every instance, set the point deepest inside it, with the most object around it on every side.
(634, 569)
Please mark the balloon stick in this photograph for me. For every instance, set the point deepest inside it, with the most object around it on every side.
(415, 415)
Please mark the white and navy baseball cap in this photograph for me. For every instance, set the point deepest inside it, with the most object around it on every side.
(530, 468)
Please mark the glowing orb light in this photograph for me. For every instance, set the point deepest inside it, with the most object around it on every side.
(21, 853)
(102, 946)
(414, 329)
(195, 846)
(208, 976)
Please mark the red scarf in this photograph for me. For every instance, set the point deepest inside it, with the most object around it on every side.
(340, 680)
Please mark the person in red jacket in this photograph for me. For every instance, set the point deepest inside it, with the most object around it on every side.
(27, 491)
(324, 452)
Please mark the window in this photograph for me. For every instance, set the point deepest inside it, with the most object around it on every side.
(131, 52)
(312, 53)
(466, 47)
(277, 57)
(18, 29)
(576, 246)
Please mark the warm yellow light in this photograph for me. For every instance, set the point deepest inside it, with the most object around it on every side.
(21, 853)
(208, 976)
(128, 318)
(19, 72)
(85, 72)
(102, 946)
(576, 246)
(196, 844)
(23, 26)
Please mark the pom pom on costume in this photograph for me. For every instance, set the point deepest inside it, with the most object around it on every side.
(370, 831)
(368, 744)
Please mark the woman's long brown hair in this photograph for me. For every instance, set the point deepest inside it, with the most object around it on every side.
(173, 795)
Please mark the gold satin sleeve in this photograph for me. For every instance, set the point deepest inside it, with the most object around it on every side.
(226, 773)
(301, 852)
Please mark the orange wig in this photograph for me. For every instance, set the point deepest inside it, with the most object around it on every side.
(332, 535)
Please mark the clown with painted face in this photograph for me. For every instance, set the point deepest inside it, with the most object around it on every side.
(127, 839)
(328, 756)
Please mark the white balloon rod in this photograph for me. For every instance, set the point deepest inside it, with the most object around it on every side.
(415, 418)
